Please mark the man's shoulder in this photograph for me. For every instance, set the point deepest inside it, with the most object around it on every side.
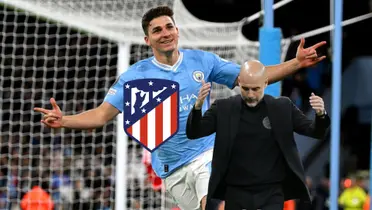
(136, 69)
(228, 100)
(197, 54)
(129, 74)
(278, 99)
(142, 64)
(193, 51)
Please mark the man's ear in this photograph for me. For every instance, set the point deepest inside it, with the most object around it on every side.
(146, 38)
(236, 83)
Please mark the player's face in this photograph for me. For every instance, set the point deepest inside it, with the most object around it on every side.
(162, 35)
(252, 90)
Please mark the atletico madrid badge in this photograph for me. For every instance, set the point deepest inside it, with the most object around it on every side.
(151, 111)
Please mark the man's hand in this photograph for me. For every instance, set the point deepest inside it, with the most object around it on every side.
(317, 104)
(203, 92)
(52, 118)
(308, 56)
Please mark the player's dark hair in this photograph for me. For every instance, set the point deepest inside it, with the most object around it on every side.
(155, 13)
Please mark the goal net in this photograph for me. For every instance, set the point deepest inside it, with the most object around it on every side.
(69, 50)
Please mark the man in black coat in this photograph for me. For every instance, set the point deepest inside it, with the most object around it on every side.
(255, 163)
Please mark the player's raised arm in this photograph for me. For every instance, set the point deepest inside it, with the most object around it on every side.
(90, 119)
(226, 72)
(305, 57)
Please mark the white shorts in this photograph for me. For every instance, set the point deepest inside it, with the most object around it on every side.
(189, 184)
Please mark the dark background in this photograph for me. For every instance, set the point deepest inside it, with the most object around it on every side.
(294, 18)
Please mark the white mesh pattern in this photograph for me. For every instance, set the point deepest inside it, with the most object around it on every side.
(68, 50)
(40, 60)
(120, 20)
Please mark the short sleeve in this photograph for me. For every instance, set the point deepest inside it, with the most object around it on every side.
(115, 95)
(223, 71)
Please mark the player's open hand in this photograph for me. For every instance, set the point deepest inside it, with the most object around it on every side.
(308, 56)
(317, 104)
(203, 92)
(52, 118)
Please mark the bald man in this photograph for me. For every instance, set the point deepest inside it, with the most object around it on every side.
(255, 160)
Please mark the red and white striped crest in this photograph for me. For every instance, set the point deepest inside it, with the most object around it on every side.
(151, 111)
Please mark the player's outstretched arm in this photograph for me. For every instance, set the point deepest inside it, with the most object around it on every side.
(305, 57)
(90, 119)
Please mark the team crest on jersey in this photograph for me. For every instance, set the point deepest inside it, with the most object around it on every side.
(198, 75)
(151, 113)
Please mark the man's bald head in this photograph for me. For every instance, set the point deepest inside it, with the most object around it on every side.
(252, 81)
(252, 72)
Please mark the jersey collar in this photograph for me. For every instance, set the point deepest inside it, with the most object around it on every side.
(169, 67)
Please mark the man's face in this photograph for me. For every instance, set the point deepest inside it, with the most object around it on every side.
(252, 89)
(162, 35)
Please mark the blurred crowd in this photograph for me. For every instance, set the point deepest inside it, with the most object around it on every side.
(353, 194)
(73, 180)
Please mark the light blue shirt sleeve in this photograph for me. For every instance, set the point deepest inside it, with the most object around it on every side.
(115, 95)
(223, 71)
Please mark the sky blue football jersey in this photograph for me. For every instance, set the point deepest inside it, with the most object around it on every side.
(192, 67)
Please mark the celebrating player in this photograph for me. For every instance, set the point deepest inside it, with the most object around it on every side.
(181, 163)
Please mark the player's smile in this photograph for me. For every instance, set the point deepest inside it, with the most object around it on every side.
(167, 41)
(167, 44)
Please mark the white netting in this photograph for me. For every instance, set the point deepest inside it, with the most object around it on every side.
(69, 50)
(40, 60)
(119, 20)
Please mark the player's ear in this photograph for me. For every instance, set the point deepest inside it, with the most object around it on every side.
(146, 38)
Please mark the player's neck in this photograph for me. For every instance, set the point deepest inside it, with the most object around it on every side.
(167, 58)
